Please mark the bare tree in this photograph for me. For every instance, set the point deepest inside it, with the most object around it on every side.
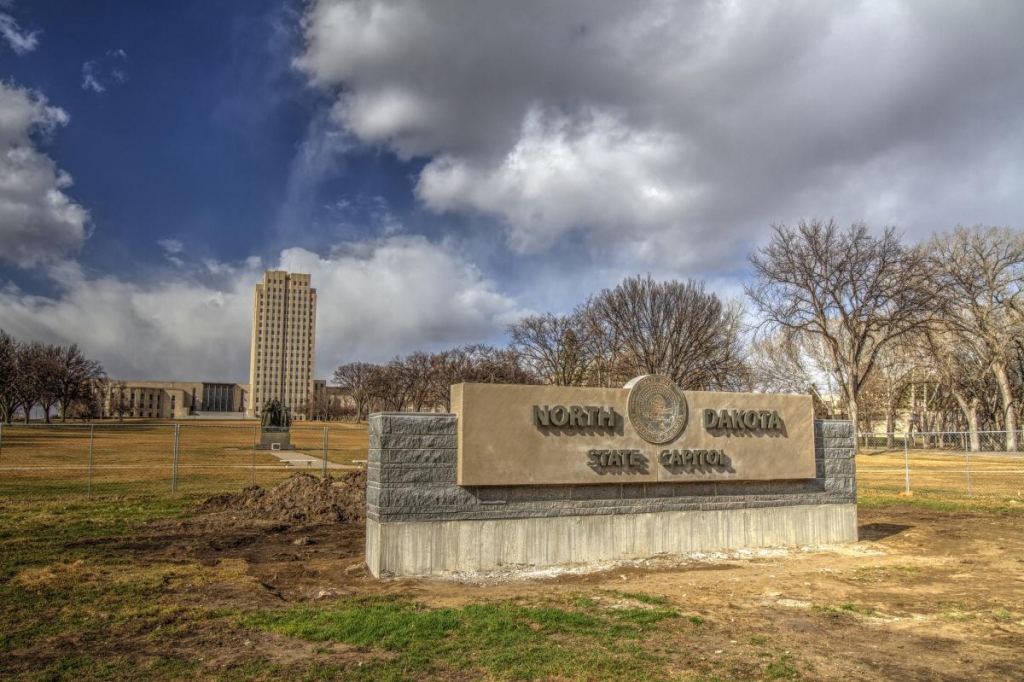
(857, 292)
(447, 367)
(356, 377)
(778, 365)
(75, 378)
(33, 373)
(672, 328)
(8, 376)
(555, 348)
(392, 386)
(897, 365)
(30, 382)
(416, 369)
(120, 400)
(475, 363)
(316, 406)
(963, 373)
(979, 289)
(89, 403)
(49, 373)
(790, 362)
(490, 365)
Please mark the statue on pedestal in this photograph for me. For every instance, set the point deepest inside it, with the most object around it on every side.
(275, 416)
(275, 421)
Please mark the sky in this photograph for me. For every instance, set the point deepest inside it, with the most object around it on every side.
(444, 168)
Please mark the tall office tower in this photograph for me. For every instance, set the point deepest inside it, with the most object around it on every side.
(283, 336)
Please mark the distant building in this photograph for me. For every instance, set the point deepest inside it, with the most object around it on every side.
(173, 399)
(339, 397)
(283, 341)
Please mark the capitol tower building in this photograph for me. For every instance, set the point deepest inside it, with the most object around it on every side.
(283, 341)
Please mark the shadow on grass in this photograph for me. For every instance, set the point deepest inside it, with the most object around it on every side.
(880, 531)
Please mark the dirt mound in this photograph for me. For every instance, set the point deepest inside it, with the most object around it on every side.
(303, 498)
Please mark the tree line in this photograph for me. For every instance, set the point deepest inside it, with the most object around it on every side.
(48, 376)
(876, 325)
(865, 323)
(421, 381)
(870, 326)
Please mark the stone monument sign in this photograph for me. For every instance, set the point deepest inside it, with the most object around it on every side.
(646, 432)
(544, 475)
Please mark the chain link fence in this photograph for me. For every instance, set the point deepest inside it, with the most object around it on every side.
(49, 460)
(107, 458)
(948, 464)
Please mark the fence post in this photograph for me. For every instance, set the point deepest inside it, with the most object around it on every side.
(906, 462)
(174, 458)
(967, 452)
(324, 473)
(255, 436)
(1, 438)
(92, 433)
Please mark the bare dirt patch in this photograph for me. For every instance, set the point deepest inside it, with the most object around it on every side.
(303, 498)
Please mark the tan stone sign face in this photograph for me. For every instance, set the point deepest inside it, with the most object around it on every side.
(648, 431)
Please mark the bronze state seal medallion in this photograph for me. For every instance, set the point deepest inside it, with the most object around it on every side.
(657, 410)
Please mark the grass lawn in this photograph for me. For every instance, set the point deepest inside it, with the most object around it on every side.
(944, 475)
(138, 458)
(70, 591)
(114, 588)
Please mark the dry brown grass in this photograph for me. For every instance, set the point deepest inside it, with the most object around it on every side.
(944, 474)
(138, 456)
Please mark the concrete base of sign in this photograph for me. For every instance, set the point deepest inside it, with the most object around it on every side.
(433, 547)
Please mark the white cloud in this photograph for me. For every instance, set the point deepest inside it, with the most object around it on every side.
(18, 39)
(376, 299)
(90, 77)
(99, 73)
(398, 294)
(39, 222)
(591, 170)
(172, 248)
(660, 126)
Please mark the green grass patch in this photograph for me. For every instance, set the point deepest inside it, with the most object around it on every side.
(43, 532)
(846, 608)
(862, 610)
(508, 640)
(582, 602)
(88, 669)
(781, 669)
(63, 573)
(955, 611)
(645, 598)
(882, 574)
